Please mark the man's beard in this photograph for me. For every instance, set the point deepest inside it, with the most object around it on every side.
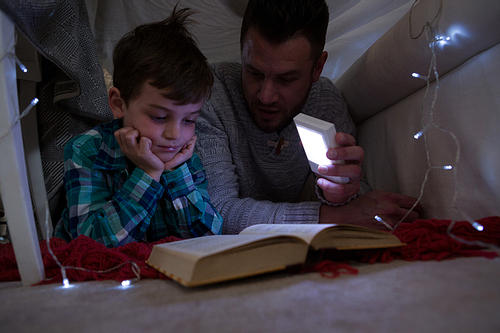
(271, 126)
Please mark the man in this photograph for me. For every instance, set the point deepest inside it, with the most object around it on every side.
(256, 168)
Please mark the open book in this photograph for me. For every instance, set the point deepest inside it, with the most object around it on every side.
(258, 249)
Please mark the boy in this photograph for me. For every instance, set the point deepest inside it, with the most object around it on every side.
(136, 178)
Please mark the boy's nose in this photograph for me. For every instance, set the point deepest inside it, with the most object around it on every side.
(172, 132)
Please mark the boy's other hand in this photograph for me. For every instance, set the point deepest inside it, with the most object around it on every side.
(138, 150)
(182, 156)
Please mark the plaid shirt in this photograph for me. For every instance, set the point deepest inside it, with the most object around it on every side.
(113, 202)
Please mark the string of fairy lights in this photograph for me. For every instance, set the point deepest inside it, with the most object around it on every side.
(434, 40)
(12, 55)
(66, 284)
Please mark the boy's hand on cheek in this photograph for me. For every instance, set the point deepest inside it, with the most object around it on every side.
(138, 150)
(182, 156)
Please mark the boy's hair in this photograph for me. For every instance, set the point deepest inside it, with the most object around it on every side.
(279, 20)
(166, 55)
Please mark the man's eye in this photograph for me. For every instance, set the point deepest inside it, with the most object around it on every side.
(287, 79)
(189, 121)
(254, 73)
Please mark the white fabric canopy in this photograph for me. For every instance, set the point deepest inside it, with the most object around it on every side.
(354, 26)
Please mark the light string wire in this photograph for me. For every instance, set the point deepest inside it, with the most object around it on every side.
(433, 39)
(135, 268)
(17, 118)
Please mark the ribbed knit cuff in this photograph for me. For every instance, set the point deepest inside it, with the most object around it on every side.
(298, 213)
(321, 197)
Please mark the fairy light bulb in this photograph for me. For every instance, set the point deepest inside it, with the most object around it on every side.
(439, 40)
(33, 102)
(21, 66)
(65, 279)
(18, 62)
(478, 226)
(442, 40)
(418, 76)
(421, 132)
(381, 220)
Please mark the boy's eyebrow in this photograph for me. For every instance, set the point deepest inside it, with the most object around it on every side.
(169, 110)
(156, 106)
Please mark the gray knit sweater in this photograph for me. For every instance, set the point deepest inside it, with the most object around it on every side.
(248, 181)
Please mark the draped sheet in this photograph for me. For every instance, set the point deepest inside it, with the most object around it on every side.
(354, 26)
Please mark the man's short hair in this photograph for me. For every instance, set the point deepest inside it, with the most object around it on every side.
(166, 55)
(279, 20)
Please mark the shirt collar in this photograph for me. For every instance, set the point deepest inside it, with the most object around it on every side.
(110, 155)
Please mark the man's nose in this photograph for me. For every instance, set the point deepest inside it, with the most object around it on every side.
(268, 93)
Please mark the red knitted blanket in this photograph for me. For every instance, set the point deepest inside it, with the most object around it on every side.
(425, 239)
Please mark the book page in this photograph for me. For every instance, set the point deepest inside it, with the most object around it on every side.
(208, 245)
(304, 231)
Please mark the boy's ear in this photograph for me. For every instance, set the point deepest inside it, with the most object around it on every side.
(115, 102)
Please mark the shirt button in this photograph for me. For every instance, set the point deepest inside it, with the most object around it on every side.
(172, 185)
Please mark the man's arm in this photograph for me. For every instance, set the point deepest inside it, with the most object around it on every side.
(213, 146)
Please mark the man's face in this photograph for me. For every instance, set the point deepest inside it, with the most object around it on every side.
(276, 79)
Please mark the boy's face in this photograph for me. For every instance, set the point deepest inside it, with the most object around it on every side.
(169, 126)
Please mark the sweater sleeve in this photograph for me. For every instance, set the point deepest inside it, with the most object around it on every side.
(239, 213)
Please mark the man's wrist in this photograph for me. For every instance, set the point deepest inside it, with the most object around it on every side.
(321, 197)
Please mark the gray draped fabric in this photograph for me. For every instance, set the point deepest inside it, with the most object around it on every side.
(72, 94)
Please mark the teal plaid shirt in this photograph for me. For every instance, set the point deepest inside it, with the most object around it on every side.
(115, 203)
